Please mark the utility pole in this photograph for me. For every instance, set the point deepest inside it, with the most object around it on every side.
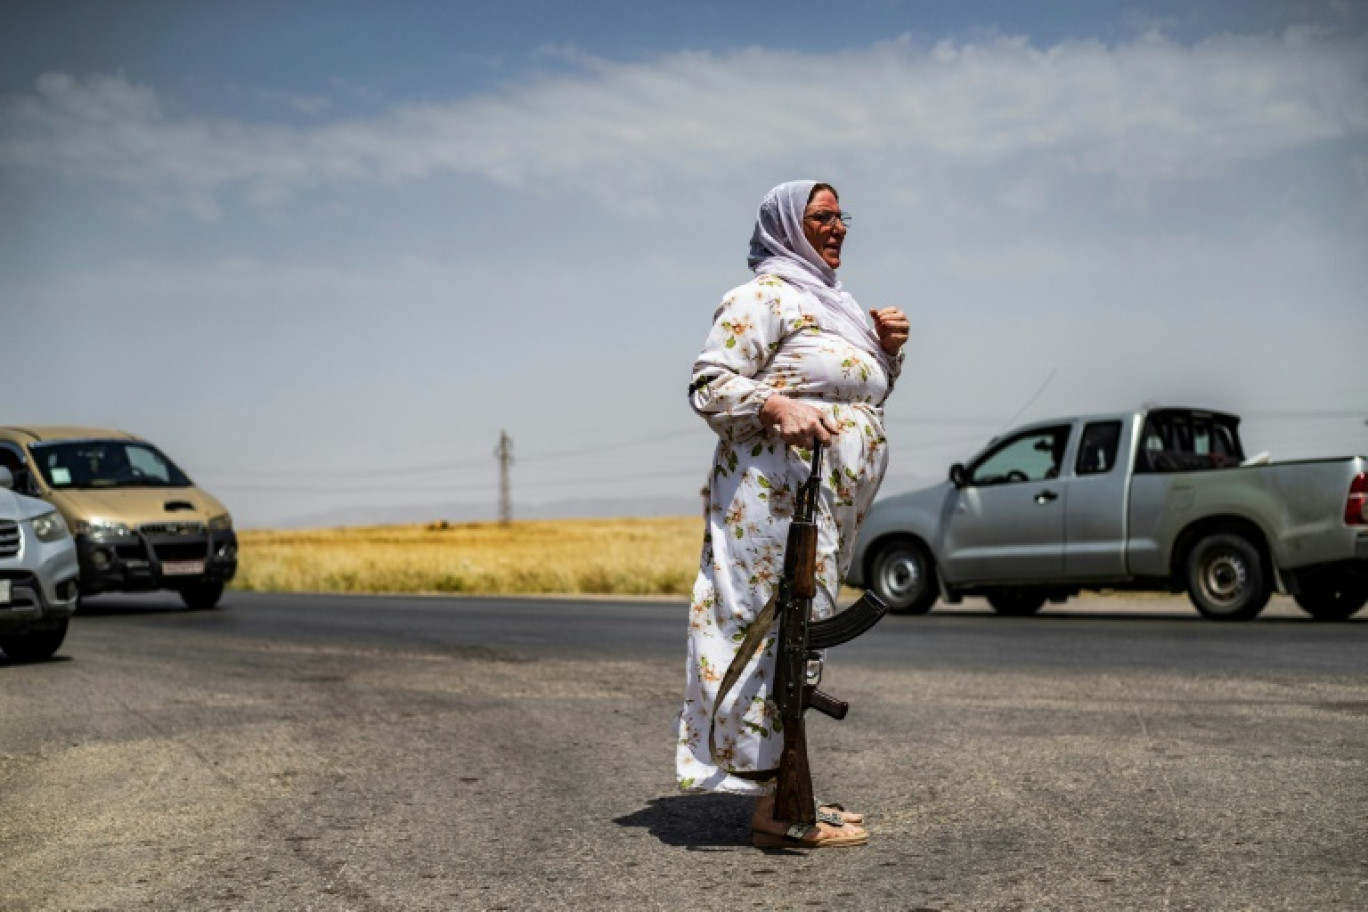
(504, 451)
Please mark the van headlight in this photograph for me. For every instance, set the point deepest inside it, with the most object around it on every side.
(50, 527)
(221, 523)
(101, 528)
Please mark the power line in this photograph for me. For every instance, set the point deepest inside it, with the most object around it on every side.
(696, 432)
(407, 478)
(448, 465)
(1305, 414)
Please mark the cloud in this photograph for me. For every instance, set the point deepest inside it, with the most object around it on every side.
(1147, 112)
(300, 104)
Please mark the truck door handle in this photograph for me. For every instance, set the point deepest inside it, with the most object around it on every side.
(1046, 496)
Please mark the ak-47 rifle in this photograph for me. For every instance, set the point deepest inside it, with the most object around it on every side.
(800, 639)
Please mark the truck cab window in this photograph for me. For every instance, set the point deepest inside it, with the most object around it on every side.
(1182, 441)
(1033, 456)
(1097, 450)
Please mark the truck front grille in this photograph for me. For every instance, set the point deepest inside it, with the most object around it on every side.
(9, 538)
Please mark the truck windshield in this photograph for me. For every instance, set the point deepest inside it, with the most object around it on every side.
(106, 464)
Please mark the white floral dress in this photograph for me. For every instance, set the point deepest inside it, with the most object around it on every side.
(765, 341)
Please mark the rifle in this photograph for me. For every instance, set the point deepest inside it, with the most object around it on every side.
(800, 638)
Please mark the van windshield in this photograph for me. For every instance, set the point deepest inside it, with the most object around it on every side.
(106, 464)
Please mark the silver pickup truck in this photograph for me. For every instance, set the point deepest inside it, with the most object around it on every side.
(1162, 499)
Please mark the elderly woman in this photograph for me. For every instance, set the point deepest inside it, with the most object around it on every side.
(791, 357)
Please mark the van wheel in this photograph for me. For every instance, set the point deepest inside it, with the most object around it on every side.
(1016, 602)
(1332, 596)
(1226, 578)
(35, 645)
(903, 574)
(201, 596)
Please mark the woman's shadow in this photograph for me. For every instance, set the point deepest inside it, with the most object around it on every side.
(700, 822)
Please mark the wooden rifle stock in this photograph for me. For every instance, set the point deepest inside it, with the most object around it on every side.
(799, 638)
(793, 797)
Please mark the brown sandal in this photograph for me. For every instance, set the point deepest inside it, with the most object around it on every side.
(806, 836)
(835, 807)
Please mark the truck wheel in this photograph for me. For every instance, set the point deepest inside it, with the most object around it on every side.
(904, 576)
(36, 645)
(1016, 602)
(1333, 596)
(201, 596)
(1226, 578)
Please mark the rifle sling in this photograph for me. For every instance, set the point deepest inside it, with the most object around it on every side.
(749, 647)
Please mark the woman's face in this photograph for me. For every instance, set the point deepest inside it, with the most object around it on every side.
(825, 239)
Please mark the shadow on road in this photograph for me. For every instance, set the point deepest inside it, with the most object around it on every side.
(7, 662)
(696, 821)
(125, 606)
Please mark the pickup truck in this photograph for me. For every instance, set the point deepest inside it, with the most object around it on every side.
(1161, 499)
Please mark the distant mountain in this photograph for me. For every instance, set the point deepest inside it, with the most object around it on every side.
(409, 514)
(578, 508)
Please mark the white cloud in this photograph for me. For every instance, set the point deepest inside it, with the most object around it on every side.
(1142, 113)
(984, 177)
(299, 103)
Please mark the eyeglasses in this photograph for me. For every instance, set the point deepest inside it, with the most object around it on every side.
(827, 217)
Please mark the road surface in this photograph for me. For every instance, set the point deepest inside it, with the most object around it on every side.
(364, 753)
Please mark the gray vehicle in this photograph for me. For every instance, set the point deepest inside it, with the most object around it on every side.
(1162, 499)
(39, 583)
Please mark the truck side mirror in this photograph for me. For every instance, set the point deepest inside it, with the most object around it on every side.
(958, 477)
(6, 478)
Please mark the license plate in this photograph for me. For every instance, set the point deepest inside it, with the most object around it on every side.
(182, 568)
(4, 592)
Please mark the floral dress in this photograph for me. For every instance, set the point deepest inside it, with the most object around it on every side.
(764, 340)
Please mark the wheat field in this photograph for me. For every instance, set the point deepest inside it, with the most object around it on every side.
(647, 556)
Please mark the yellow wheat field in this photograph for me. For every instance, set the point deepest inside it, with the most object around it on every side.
(652, 556)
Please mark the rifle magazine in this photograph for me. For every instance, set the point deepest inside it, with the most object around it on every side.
(847, 625)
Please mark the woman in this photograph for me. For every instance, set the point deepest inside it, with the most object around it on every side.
(791, 357)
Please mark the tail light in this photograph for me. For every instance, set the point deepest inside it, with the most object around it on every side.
(1356, 506)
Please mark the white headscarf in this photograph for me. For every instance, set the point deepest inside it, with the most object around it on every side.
(779, 248)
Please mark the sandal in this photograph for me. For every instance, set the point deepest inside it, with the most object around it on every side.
(835, 807)
(805, 836)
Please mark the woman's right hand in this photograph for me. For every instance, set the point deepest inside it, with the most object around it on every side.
(797, 422)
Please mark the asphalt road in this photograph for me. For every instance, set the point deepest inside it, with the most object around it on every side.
(334, 753)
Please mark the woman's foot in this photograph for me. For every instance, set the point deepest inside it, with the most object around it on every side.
(832, 807)
(833, 828)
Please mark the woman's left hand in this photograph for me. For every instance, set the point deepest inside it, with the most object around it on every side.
(892, 327)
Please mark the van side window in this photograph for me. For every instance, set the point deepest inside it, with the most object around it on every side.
(11, 460)
(1097, 451)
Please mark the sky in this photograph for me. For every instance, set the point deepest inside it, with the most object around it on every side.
(325, 254)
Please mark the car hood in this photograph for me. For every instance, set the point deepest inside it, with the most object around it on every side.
(929, 498)
(135, 506)
(17, 507)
